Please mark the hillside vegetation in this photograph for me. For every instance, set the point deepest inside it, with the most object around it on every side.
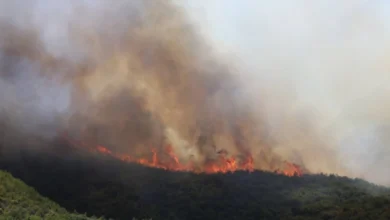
(102, 186)
(19, 201)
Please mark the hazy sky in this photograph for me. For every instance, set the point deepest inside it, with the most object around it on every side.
(326, 58)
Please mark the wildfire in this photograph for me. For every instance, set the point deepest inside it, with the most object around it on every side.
(167, 160)
(222, 165)
(291, 170)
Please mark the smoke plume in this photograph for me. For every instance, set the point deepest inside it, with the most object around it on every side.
(302, 82)
(319, 71)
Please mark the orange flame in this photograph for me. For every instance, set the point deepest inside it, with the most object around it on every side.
(222, 164)
(291, 170)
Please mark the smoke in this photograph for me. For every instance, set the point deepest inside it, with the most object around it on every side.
(320, 70)
(131, 75)
(304, 82)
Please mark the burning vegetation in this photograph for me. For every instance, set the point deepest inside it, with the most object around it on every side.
(147, 93)
(166, 159)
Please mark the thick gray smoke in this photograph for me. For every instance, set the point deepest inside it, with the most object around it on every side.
(131, 75)
(303, 82)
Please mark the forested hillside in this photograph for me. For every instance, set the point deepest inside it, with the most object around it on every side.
(102, 186)
(19, 201)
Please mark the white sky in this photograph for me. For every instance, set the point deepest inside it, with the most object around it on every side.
(330, 55)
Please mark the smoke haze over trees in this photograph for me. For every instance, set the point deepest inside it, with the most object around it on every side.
(307, 84)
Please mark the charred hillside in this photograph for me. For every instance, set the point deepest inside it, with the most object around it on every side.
(101, 185)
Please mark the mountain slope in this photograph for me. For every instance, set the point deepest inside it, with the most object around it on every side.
(100, 185)
(19, 201)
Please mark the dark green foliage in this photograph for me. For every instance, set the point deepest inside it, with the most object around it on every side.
(107, 187)
(19, 201)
